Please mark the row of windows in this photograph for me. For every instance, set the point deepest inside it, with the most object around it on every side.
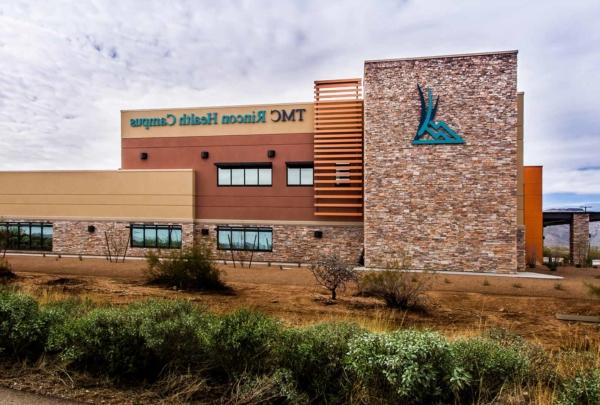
(156, 236)
(38, 236)
(245, 238)
(26, 235)
(297, 175)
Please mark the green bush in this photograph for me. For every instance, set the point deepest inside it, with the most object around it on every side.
(397, 287)
(490, 366)
(245, 342)
(583, 389)
(189, 268)
(137, 341)
(23, 329)
(315, 355)
(408, 367)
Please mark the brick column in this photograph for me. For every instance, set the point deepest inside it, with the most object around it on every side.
(579, 238)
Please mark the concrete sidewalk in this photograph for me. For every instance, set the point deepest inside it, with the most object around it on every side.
(523, 274)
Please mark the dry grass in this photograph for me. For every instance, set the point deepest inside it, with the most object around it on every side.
(459, 306)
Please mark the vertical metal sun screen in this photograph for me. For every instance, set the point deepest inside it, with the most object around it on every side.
(338, 148)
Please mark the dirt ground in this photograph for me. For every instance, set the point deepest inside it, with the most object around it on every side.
(456, 304)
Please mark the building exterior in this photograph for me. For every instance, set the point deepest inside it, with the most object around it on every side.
(426, 166)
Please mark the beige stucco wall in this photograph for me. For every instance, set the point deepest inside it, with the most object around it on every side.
(123, 194)
(176, 130)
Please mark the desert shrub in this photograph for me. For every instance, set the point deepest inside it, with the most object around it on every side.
(333, 273)
(139, 340)
(398, 288)
(583, 389)
(59, 315)
(189, 268)
(408, 367)
(6, 270)
(315, 355)
(490, 366)
(23, 329)
(593, 290)
(540, 367)
(276, 388)
(244, 342)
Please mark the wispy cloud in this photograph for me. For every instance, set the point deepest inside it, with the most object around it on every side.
(69, 67)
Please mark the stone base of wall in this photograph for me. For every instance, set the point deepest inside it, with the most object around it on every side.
(521, 252)
(296, 243)
(291, 243)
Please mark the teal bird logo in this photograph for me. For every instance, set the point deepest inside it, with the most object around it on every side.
(433, 132)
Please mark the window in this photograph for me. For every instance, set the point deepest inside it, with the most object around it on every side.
(245, 238)
(156, 236)
(244, 174)
(26, 235)
(300, 173)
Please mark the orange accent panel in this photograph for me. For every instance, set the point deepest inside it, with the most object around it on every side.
(533, 216)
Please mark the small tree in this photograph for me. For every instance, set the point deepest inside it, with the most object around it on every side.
(332, 273)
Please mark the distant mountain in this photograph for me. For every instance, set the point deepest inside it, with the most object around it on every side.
(558, 235)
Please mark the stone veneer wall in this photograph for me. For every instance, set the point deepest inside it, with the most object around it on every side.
(447, 207)
(291, 243)
(72, 237)
(297, 243)
(579, 238)
(521, 250)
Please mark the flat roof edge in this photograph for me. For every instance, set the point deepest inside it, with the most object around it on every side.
(215, 106)
(94, 171)
(458, 55)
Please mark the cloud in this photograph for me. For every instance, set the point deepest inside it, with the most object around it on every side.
(69, 67)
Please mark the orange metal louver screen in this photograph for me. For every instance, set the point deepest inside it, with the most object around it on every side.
(338, 150)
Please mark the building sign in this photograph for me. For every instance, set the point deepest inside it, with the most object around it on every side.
(216, 118)
(433, 132)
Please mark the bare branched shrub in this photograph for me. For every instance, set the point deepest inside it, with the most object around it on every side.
(397, 286)
(333, 273)
(116, 243)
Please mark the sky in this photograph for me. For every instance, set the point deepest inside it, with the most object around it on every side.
(67, 68)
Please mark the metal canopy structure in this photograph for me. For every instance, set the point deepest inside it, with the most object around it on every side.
(562, 217)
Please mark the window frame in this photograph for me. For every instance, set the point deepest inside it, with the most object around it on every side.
(299, 165)
(44, 246)
(244, 166)
(254, 229)
(155, 227)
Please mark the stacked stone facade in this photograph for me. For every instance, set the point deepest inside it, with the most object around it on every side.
(446, 207)
(291, 243)
(579, 238)
(297, 243)
(73, 237)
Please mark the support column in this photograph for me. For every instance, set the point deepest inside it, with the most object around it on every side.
(579, 240)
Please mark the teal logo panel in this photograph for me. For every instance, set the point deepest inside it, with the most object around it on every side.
(432, 132)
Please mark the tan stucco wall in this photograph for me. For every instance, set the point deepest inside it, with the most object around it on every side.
(123, 194)
(177, 130)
